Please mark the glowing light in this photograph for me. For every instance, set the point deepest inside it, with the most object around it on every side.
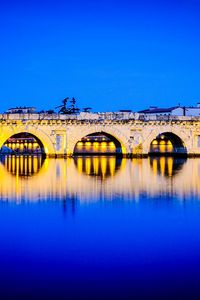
(79, 144)
(96, 144)
(112, 145)
(80, 164)
(112, 165)
(162, 165)
(88, 165)
(103, 166)
(155, 167)
(96, 165)
(170, 166)
(103, 144)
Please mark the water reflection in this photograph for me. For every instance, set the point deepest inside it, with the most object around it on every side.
(88, 179)
(101, 166)
(22, 165)
(166, 166)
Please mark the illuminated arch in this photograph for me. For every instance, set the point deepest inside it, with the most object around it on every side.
(114, 133)
(148, 138)
(45, 140)
(167, 143)
(106, 138)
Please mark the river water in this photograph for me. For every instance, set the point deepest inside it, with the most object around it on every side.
(99, 228)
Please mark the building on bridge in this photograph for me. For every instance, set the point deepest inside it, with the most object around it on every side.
(21, 110)
(172, 111)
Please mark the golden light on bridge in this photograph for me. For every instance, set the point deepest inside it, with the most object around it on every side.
(95, 144)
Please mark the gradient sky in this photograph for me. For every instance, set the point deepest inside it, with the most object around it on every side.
(109, 55)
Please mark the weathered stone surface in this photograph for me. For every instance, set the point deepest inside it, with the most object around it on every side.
(60, 133)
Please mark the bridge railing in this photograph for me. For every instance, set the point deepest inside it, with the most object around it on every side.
(113, 116)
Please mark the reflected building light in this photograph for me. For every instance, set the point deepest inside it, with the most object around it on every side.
(126, 178)
(88, 165)
(162, 165)
(103, 161)
(96, 165)
(80, 164)
(155, 166)
(170, 166)
(112, 165)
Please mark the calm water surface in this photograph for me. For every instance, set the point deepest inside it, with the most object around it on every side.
(99, 228)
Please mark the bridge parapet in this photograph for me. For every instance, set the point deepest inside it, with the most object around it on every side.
(113, 116)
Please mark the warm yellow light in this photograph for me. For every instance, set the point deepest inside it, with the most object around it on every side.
(155, 142)
(88, 165)
(103, 144)
(112, 164)
(79, 144)
(170, 166)
(96, 165)
(155, 166)
(162, 148)
(111, 144)
(103, 165)
(162, 165)
(96, 144)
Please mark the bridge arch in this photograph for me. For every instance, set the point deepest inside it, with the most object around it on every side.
(167, 143)
(42, 137)
(113, 133)
(148, 137)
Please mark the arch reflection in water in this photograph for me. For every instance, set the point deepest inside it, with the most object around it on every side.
(100, 166)
(22, 165)
(166, 166)
(92, 180)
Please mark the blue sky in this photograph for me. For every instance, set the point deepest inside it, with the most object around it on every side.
(109, 55)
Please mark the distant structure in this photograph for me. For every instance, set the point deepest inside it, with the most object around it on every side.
(172, 111)
(71, 109)
(21, 110)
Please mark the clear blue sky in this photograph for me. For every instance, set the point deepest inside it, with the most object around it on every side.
(109, 55)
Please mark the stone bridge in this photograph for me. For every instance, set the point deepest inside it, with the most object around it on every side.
(135, 133)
